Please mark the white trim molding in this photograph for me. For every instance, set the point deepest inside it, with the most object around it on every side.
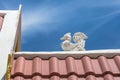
(8, 36)
(64, 54)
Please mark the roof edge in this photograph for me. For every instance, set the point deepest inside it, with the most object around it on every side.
(64, 54)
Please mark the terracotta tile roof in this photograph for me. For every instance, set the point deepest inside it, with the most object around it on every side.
(70, 77)
(85, 68)
(1, 22)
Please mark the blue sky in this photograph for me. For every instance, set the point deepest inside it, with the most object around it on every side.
(45, 21)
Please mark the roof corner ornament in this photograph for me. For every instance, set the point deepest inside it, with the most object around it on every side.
(78, 39)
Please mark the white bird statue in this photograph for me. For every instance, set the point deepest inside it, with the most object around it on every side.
(78, 38)
(67, 45)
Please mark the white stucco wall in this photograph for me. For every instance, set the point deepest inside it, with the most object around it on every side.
(8, 35)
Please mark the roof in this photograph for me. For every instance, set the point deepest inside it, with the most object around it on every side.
(68, 68)
(1, 22)
(71, 77)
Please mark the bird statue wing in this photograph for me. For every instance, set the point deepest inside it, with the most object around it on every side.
(78, 36)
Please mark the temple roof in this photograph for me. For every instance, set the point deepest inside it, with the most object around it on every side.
(83, 67)
(1, 22)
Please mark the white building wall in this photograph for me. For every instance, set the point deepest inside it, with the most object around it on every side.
(8, 36)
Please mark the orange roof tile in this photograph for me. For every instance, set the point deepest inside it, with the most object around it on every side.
(85, 68)
(70, 77)
(1, 22)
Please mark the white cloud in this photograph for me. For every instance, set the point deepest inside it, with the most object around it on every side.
(104, 19)
(35, 18)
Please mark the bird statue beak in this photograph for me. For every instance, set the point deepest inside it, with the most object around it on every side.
(62, 38)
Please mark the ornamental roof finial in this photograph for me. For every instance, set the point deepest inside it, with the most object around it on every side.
(79, 42)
